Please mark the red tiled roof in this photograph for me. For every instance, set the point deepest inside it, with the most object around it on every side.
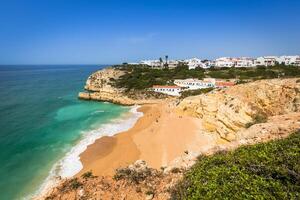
(165, 86)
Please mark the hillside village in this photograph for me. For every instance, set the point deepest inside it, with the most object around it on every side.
(180, 85)
(225, 62)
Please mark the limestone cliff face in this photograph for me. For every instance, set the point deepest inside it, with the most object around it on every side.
(99, 87)
(229, 110)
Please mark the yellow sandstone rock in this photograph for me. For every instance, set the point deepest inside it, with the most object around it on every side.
(99, 87)
(229, 110)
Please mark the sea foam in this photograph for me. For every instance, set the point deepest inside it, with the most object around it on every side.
(70, 164)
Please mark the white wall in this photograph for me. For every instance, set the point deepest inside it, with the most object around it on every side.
(168, 91)
(193, 84)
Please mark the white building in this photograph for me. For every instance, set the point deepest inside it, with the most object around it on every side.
(172, 90)
(289, 60)
(152, 63)
(244, 62)
(235, 62)
(209, 63)
(194, 62)
(226, 62)
(295, 60)
(194, 84)
(173, 63)
(266, 60)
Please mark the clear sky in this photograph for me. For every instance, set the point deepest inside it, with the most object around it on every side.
(111, 31)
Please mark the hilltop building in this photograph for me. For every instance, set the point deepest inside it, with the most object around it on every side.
(209, 63)
(266, 60)
(226, 62)
(272, 60)
(172, 90)
(244, 62)
(289, 60)
(173, 63)
(152, 63)
(194, 62)
(194, 84)
(234, 62)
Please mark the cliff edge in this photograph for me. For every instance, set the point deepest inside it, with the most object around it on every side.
(234, 109)
(100, 87)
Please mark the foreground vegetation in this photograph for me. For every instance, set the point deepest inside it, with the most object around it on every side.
(262, 171)
(139, 77)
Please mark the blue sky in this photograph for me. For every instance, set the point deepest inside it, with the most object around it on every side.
(111, 31)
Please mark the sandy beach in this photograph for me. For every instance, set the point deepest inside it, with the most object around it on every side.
(158, 137)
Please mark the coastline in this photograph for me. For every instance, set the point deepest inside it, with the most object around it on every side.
(158, 137)
(70, 165)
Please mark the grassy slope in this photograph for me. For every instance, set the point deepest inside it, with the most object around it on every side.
(263, 171)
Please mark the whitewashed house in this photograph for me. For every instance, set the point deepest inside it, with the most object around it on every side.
(173, 63)
(208, 63)
(295, 60)
(289, 60)
(194, 62)
(226, 62)
(266, 60)
(172, 90)
(194, 84)
(152, 63)
(244, 62)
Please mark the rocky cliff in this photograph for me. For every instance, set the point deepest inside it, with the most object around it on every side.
(244, 114)
(230, 110)
(100, 87)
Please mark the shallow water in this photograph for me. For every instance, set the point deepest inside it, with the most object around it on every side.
(41, 120)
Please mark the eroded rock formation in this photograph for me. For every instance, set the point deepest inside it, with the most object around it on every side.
(227, 111)
(100, 87)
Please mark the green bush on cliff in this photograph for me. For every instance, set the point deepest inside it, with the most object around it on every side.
(262, 171)
(188, 93)
(258, 119)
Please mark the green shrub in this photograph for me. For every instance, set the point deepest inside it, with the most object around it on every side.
(132, 175)
(187, 93)
(75, 184)
(88, 174)
(262, 171)
(258, 119)
(149, 192)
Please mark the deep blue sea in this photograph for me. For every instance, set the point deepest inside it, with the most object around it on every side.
(43, 126)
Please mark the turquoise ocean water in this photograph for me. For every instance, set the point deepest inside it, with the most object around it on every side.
(41, 120)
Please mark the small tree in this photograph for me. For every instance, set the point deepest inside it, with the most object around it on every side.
(161, 61)
(166, 64)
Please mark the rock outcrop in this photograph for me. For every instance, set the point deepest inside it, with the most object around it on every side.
(227, 111)
(100, 87)
(137, 181)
